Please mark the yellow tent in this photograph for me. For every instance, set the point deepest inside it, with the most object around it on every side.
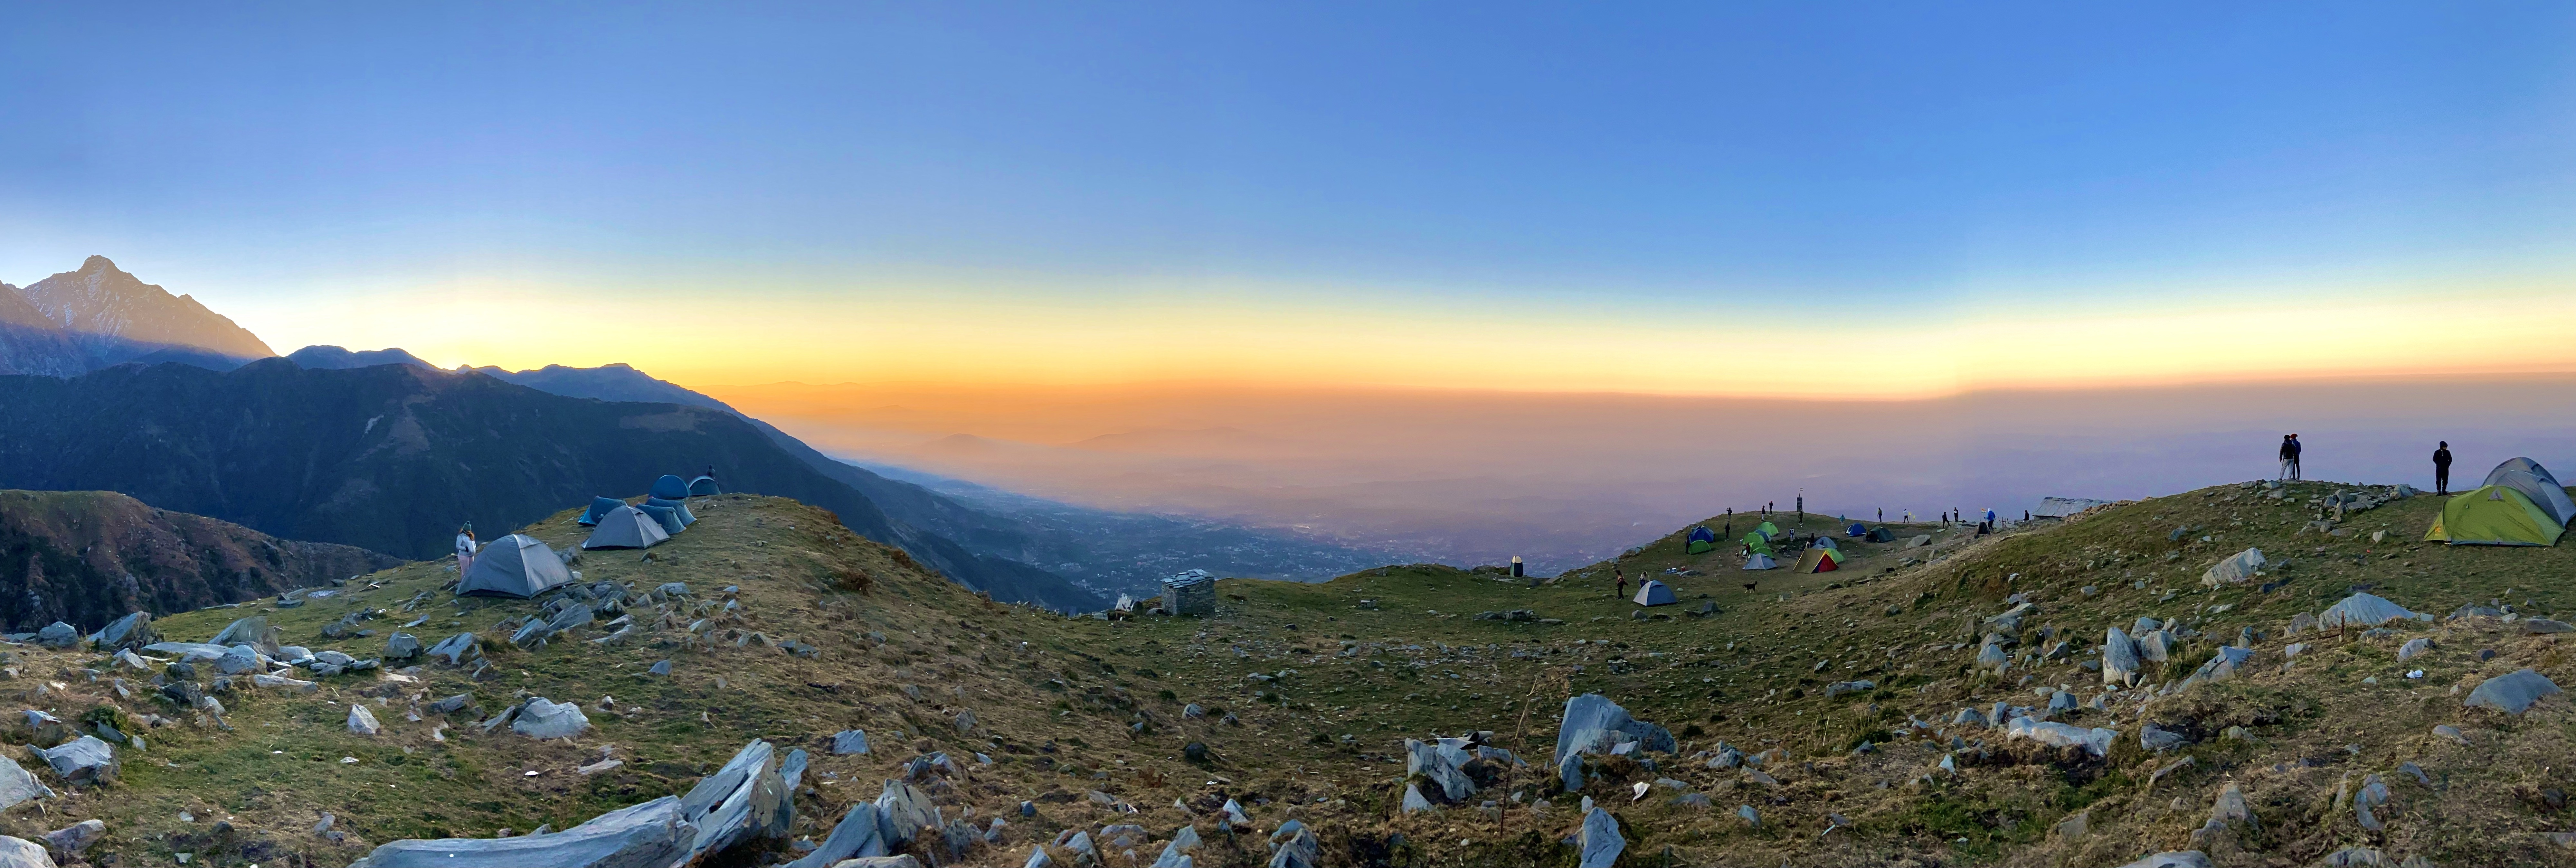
(2495, 515)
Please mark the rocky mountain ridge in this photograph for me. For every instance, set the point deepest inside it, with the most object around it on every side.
(99, 315)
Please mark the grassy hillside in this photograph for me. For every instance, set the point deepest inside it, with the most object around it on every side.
(1309, 690)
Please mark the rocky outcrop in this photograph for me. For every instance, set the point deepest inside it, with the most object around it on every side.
(92, 557)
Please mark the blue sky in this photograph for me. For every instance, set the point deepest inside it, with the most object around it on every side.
(1380, 163)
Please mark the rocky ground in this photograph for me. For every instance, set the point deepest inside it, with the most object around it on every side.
(1806, 720)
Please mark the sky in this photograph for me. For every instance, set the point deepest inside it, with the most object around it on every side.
(1799, 200)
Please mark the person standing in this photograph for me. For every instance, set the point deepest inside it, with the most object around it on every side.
(2442, 468)
(2288, 451)
(464, 549)
(1730, 522)
(2295, 448)
(1622, 576)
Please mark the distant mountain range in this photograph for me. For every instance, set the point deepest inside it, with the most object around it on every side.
(393, 457)
(99, 316)
(87, 557)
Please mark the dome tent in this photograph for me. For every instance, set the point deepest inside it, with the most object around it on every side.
(1856, 530)
(1757, 543)
(2527, 476)
(671, 488)
(1654, 593)
(1819, 560)
(2519, 504)
(1881, 534)
(704, 486)
(625, 528)
(599, 506)
(679, 507)
(1760, 562)
(1701, 540)
(517, 566)
(667, 517)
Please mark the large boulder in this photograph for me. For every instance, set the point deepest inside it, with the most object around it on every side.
(23, 853)
(2236, 569)
(241, 660)
(649, 835)
(2364, 610)
(402, 646)
(58, 635)
(903, 811)
(2229, 661)
(132, 631)
(2511, 693)
(747, 798)
(543, 718)
(860, 834)
(1441, 764)
(2119, 659)
(17, 785)
(362, 721)
(1594, 724)
(81, 761)
(253, 631)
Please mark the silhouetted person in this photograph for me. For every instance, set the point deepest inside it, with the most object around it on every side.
(2442, 468)
(1622, 576)
(2295, 448)
(2289, 456)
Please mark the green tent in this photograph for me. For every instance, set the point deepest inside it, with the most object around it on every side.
(1768, 530)
(2495, 515)
(1757, 544)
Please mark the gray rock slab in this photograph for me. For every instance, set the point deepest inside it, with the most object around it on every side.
(859, 833)
(17, 785)
(1594, 724)
(2363, 610)
(649, 835)
(2511, 693)
(1601, 842)
(82, 760)
(544, 718)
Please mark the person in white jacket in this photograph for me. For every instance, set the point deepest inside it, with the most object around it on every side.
(464, 548)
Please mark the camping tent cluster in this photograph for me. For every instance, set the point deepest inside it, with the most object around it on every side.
(1757, 546)
(665, 511)
(1823, 557)
(2519, 504)
(1701, 541)
(517, 565)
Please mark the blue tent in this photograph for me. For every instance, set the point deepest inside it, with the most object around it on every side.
(670, 488)
(1701, 540)
(668, 517)
(599, 506)
(1857, 530)
(1654, 593)
(680, 507)
(704, 486)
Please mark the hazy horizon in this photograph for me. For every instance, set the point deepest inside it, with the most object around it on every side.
(1564, 479)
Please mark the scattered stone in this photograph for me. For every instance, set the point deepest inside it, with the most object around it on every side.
(299, 685)
(2075, 826)
(906, 811)
(1594, 724)
(2236, 569)
(2373, 794)
(2159, 740)
(2096, 741)
(253, 631)
(2119, 659)
(2172, 859)
(1601, 842)
(2364, 610)
(455, 648)
(17, 785)
(22, 853)
(362, 721)
(402, 646)
(1839, 688)
(661, 668)
(58, 635)
(75, 837)
(543, 718)
(2450, 732)
(83, 760)
(2414, 648)
(1751, 817)
(2512, 693)
(2545, 625)
(860, 834)
(849, 741)
(1413, 800)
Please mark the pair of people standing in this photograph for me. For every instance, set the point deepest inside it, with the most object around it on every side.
(2290, 457)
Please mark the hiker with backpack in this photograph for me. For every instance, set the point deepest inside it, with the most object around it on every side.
(464, 548)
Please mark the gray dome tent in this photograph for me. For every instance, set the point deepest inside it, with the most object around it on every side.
(625, 528)
(668, 517)
(679, 507)
(517, 565)
(599, 506)
(670, 488)
(704, 486)
(2527, 476)
(1655, 593)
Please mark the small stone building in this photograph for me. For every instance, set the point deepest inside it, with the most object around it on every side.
(1190, 592)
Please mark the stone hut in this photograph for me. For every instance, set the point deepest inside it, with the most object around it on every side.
(1190, 592)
